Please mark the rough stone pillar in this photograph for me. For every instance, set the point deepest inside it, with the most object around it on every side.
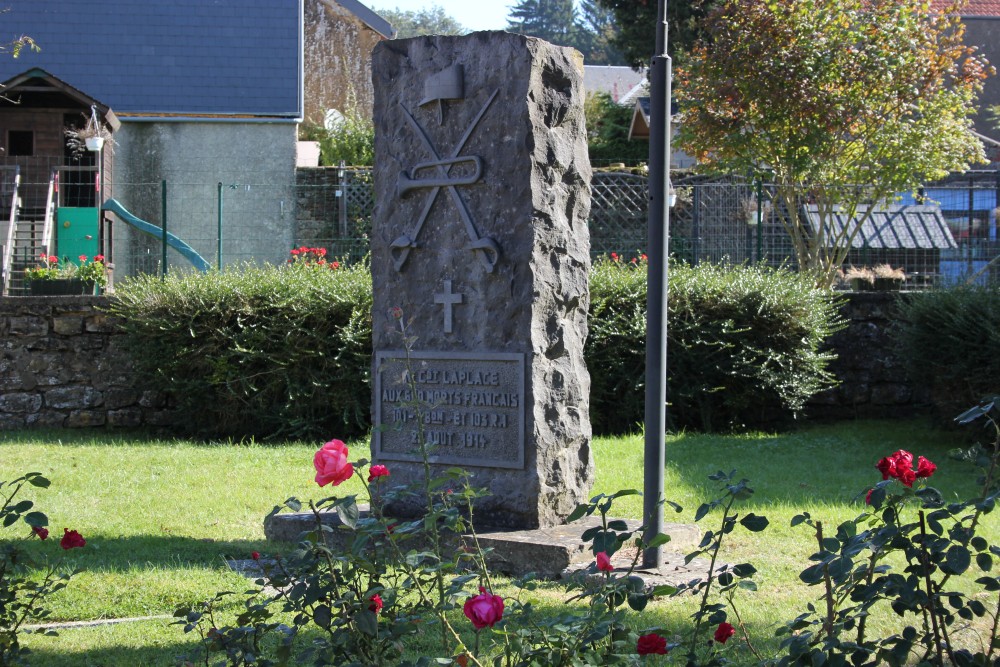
(480, 238)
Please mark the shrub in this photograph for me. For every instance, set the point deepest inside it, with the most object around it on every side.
(949, 340)
(744, 344)
(256, 351)
(286, 352)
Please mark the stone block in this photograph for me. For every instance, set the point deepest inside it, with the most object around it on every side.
(20, 402)
(86, 418)
(67, 326)
(127, 418)
(28, 326)
(480, 238)
(73, 398)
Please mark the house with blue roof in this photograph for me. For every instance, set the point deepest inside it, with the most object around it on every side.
(202, 100)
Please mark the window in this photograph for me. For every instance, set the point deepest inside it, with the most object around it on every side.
(20, 142)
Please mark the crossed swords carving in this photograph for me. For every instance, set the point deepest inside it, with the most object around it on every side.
(486, 249)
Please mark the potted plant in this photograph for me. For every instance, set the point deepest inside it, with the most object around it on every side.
(860, 279)
(888, 279)
(52, 278)
(92, 136)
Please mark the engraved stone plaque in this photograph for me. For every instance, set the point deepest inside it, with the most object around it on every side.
(471, 406)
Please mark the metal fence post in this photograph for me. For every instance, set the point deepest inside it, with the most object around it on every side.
(163, 217)
(219, 231)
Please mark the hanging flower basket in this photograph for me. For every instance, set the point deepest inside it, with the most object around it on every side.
(94, 143)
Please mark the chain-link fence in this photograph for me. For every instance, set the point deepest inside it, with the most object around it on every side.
(953, 239)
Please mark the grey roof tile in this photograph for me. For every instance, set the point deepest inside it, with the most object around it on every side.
(167, 56)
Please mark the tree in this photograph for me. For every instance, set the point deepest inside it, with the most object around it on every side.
(636, 26)
(552, 20)
(431, 21)
(844, 103)
(597, 31)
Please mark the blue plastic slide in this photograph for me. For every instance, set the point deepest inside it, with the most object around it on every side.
(177, 244)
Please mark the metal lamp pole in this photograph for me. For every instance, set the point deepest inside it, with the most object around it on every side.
(656, 305)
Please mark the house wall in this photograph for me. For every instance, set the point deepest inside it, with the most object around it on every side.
(193, 158)
(337, 61)
(984, 33)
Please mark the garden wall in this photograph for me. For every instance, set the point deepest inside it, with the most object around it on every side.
(60, 365)
(873, 382)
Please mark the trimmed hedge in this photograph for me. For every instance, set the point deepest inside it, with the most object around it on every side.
(256, 351)
(744, 345)
(274, 352)
(949, 340)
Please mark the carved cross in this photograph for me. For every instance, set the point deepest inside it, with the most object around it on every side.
(448, 299)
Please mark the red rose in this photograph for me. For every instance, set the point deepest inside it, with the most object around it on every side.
(903, 459)
(71, 539)
(887, 467)
(377, 471)
(82, 258)
(43, 533)
(906, 476)
(724, 632)
(604, 563)
(376, 604)
(925, 468)
(98, 258)
(651, 644)
(868, 498)
(331, 464)
(484, 609)
(614, 257)
(255, 555)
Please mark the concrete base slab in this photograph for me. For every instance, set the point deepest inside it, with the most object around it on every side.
(549, 553)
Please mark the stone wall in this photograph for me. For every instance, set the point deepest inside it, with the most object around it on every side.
(873, 382)
(61, 366)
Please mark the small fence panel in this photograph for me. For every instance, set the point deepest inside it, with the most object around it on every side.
(719, 221)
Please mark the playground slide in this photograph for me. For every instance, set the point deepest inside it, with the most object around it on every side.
(177, 244)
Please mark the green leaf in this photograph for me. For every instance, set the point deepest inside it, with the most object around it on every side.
(984, 561)
(754, 523)
(658, 540)
(617, 524)
(638, 601)
(349, 513)
(703, 510)
(957, 560)
(35, 479)
(36, 519)
(367, 622)
(322, 616)
(579, 513)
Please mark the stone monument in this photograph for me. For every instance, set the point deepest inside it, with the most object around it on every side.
(480, 246)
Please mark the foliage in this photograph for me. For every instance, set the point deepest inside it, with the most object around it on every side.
(386, 579)
(607, 130)
(255, 350)
(636, 23)
(591, 30)
(856, 570)
(949, 340)
(425, 21)
(846, 103)
(50, 268)
(21, 593)
(744, 344)
(350, 141)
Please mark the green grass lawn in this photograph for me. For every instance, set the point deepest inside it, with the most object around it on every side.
(161, 518)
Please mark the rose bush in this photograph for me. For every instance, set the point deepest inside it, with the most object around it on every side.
(25, 579)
